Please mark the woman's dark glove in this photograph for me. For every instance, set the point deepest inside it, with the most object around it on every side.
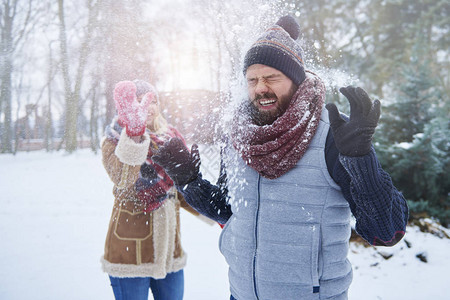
(148, 172)
(354, 137)
(180, 164)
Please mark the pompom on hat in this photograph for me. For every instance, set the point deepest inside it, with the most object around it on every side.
(277, 48)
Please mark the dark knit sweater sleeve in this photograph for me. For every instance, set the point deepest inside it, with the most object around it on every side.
(208, 199)
(380, 210)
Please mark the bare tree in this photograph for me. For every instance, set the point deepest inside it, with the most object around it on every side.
(51, 73)
(72, 90)
(16, 21)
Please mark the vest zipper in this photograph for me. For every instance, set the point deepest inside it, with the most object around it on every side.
(256, 237)
(315, 258)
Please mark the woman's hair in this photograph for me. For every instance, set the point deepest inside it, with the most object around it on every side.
(160, 124)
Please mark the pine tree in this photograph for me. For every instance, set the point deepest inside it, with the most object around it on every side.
(421, 169)
(412, 108)
(412, 140)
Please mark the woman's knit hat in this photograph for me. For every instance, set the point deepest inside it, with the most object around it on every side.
(277, 48)
(143, 87)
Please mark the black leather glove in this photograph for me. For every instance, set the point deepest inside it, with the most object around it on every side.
(182, 166)
(354, 137)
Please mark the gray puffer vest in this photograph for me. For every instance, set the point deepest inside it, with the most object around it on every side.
(288, 237)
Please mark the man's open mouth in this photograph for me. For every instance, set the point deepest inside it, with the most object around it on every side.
(267, 102)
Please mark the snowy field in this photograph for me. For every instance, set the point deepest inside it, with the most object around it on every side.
(54, 214)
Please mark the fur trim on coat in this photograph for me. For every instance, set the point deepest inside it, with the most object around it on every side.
(131, 153)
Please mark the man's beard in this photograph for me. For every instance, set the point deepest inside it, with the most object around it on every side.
(261, 118)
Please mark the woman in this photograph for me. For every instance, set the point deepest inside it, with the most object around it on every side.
(142, 248)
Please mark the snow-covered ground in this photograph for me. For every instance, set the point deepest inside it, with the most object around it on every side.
(54, 210)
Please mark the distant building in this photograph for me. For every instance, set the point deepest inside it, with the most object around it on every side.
(30, 130)
(32, 126)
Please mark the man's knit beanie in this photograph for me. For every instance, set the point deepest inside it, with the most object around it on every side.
(277, 48)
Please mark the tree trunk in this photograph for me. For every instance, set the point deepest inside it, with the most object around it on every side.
(7, 68)
(70, 131)
(6, 102)
(73, 96)
(93, 126)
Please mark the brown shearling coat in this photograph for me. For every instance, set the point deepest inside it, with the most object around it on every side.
(138, 243)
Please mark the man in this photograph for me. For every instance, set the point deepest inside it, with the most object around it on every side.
(291, 178)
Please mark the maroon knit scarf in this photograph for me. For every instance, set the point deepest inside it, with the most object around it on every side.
(272, 150)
